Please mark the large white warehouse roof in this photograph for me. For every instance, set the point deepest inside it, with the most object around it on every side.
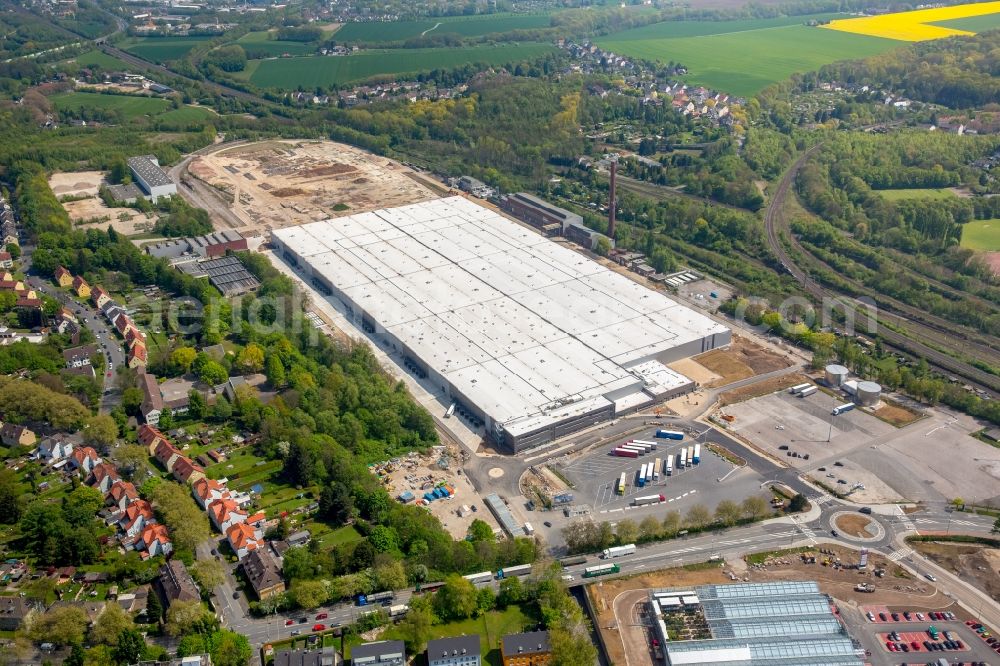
(520, 325)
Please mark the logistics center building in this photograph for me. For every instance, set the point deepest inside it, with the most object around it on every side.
(533, 338)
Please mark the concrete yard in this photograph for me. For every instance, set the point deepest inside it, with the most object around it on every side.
(595, 473)
(893, 464)
(274, 184)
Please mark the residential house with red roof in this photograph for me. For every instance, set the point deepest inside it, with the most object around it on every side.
(154, 540)
(137, 515)
(207, 490)
(81, 287)
(84, 458)
(121, 495)
(166, 454)
(63, 277)
(244, 539)
(103, 476)
(187, 471)
(150, 436)
(99, 296)
(137, 356)
(224, 513)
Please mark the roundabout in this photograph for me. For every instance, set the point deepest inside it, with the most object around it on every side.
(858, 527)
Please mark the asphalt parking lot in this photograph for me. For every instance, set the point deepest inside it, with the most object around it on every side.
(871, 634)
(596, 474)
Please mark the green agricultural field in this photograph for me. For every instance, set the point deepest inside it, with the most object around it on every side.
(926, 193)
(973, 23)
(259, 42)
(742, 57)
(186, 114)
(982, 235)
(130, 106)
(312, 71)
(99, 59)
(467, 26)
(162, 49)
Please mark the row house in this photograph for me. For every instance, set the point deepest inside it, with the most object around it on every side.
(227, 514)
(150, 437)
(135, 341)
(133, 515)
(63, 277)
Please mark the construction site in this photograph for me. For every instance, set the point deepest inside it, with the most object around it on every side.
(274, 184)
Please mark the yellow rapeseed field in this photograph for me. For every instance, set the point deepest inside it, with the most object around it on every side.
(914, 26)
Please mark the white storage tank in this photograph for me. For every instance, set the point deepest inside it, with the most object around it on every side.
(836, 375)
(868, 395)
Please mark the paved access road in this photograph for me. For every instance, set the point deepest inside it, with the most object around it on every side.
(106, 338)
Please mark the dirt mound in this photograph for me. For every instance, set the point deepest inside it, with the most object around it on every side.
(334, 169)
(284, 192)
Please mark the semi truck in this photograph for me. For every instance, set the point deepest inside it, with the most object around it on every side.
(513, 572)
(649, 472)
(805, 393)
(618, 551)
(840, 409)
(620, 489)
(799, 388)
(625, 453)
(669, 434)
(690, 456)
(697, 454)
(375, 598)
(648, 499)
(640, 479)
(646, 448)
(646, 442)
(657, 466)
(600, 570)
(670, 465)
(398, 609)
(682, 459)
(481, 577)
(639, 450)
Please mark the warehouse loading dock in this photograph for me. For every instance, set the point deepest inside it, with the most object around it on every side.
(532, 338)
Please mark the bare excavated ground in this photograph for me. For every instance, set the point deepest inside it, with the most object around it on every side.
(274, 184)
(976, 564)
(740, 360)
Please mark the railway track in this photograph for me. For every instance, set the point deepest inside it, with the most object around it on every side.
(773, 220)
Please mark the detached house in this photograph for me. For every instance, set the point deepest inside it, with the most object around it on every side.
(137, 515)
(84, 458)
(244, 539)
(121, 495)
(154, 540)
(152, 399)
(103, 477)
(17, 435)
(63, 277)
(224, 513)
(206, 491)
(55, 448)
(81, 287)
(99, 297)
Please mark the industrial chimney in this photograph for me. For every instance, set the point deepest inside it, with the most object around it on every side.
(611, 200)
